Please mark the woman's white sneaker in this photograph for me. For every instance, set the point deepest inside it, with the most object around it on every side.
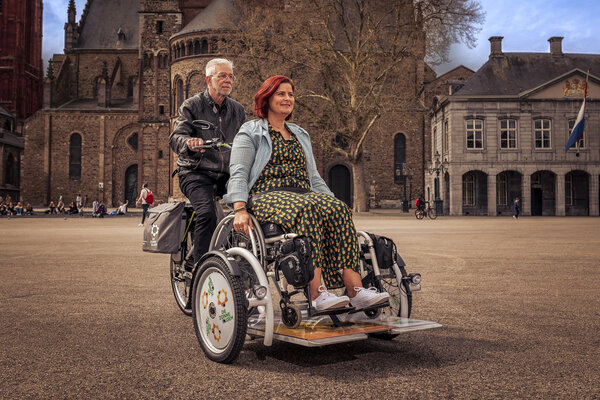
(367, 298)
(327, 300)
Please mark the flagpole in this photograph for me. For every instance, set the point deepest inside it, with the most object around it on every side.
(585, 90)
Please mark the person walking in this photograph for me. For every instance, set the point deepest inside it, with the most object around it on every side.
(146, 199)
(201, 171)
(516, 206)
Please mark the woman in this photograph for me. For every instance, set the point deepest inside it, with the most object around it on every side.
(272, 163)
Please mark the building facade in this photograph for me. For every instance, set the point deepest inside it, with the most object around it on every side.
(502, 135)
(21, 76)
(111, 99)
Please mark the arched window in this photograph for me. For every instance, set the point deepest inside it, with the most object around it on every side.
(399, 158)
(11, 170)
(197, 47)
(179, 95)
(75, 156)
(204, 49)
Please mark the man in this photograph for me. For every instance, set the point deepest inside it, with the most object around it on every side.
(204, 173)
(146, 201)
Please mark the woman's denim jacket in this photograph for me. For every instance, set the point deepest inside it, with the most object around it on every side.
(251, 152)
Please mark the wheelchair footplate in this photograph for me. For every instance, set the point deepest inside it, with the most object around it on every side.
(320, 330)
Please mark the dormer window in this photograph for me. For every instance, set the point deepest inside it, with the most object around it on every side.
(121, 35)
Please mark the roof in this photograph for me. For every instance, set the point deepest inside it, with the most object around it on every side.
(518, 72)
(103, 20)
(211, 18)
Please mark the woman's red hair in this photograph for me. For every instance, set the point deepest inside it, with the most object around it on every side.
(266, 90)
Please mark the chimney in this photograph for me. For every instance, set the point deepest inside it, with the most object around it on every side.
(556, 46)
(496, 46)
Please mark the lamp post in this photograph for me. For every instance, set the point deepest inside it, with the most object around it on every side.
(437, 167)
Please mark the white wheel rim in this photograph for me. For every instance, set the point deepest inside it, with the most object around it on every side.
(216, 319)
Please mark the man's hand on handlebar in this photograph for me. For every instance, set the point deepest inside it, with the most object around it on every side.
(194, 144)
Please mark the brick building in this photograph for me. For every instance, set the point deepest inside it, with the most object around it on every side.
(111, 98)
(21, 76)
(502, 134)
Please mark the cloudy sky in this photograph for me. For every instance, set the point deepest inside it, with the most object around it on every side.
(525, 24)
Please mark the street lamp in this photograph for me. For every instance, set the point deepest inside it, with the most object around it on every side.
(437, 167)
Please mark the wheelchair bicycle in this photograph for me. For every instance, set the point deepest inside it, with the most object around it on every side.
(228, 294)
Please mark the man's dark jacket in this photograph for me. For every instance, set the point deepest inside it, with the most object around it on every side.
(228, 117)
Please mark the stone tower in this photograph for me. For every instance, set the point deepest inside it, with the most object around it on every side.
(158, 20)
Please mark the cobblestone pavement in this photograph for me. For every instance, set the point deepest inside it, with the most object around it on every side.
(86, 314)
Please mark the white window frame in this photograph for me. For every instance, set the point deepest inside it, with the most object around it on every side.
(474, 126)
(502, 190)
(569, 189)
(469, 183)
(543, 134)
(581, 141)
(508, 134)
(445, 137)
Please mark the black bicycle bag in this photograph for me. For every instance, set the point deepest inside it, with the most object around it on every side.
(162, 229)
(385, 251)
(296, 261)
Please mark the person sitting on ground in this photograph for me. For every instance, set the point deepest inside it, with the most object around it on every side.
(122, 209)
(60, 207)
(72, 208)
(28, 209)
(51, 209)
(3, 210)
(274, 175)
(10, 207)
(19, 208)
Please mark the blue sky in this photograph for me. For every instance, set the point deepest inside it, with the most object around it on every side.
(525, 24)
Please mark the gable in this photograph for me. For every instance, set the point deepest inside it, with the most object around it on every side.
(568, 86)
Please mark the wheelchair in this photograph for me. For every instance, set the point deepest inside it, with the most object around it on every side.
(232, 300)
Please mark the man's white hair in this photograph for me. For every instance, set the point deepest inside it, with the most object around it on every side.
(211, 66)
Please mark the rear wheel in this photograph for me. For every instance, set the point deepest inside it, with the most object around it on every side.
(181, 278)
(419, 214)
(219, 312)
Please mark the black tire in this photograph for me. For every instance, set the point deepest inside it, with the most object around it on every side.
(291, 316)
(431, 213)
(419, 214)
(219, 311)
(181, 283)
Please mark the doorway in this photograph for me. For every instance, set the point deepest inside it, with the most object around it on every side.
(131, 184)
(340, 183)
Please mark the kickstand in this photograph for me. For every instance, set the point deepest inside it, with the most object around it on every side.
(337, 323)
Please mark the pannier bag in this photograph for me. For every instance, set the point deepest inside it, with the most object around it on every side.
(385, 251)
(296, 261)
(162, 230)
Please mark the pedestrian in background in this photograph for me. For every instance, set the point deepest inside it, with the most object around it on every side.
(146, 199)
(516, 205)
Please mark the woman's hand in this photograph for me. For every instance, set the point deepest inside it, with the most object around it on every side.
(242, 222)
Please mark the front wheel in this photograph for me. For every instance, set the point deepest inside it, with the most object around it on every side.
(219, 312)
(400, 298)
(431, 213)
(181, 279)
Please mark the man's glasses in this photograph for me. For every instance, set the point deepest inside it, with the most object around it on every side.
(223, 75)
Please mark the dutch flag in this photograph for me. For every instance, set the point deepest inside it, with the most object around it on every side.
(577, 131)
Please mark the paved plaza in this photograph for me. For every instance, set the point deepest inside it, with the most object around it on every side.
(86, 314)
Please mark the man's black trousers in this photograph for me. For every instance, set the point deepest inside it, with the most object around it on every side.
(200, 190)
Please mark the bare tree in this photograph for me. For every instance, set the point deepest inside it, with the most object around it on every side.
(349, 57)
